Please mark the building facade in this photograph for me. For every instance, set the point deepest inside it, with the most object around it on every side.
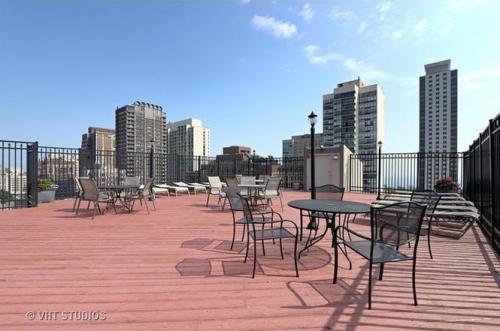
(188, 138)
(140, 127)
(296, 146)
(97, 156)
(437, 124)
(353, 115)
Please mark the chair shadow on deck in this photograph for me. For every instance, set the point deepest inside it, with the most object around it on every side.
(234, 266)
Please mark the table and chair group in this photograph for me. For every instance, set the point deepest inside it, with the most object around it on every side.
(116, 196)
(396, 223)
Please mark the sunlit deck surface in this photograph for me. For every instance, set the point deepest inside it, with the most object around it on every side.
(173, 270)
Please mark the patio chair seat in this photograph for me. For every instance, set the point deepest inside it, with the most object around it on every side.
(268, 234)
(243, 220)
(381, 252)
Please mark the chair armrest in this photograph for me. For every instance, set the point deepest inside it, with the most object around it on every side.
(340, 227)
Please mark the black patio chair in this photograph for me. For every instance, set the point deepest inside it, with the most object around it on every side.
(279, 232)
(431, 199)
(142, 195)
(235, 205)
(392, 226)
(324, 192)
(91, 193)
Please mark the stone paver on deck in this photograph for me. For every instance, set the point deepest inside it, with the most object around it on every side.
(173, 270)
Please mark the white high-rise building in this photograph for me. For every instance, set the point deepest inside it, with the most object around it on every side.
(188, 138)
(438, 123)
(353, 115)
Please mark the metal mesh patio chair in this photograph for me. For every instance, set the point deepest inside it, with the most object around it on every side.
(262, 234)
(79, 191)
(135, 180)
(91, 193)
(143, 195)
(431, 199)
(235, 205)
(324, 192)
(392, 226)
(272, 190)
(215, 189)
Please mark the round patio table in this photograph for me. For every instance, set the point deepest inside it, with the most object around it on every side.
(328, 209)
(118, 189)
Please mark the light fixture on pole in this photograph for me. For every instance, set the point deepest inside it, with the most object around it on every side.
(379, 169)
(312, 121)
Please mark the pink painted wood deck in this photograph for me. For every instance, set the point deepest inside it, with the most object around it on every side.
(173, 270)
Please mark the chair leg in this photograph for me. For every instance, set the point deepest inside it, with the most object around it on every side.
(74, 204)
(301, 225)
(208, 198)
(281, 203)
(78, 207)
(281, 249)
(295, 257)
(335, 257)
(413, 281)
(429, 239)
(254, 257)
(263, 248)
(370, 286)
(248, 247)
(153, 202)
(234, 232)
(381, 271)
(88, 205)
(244, 230)
(146, 203)
(95, 209)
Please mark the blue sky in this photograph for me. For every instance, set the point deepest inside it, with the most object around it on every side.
(251, 70)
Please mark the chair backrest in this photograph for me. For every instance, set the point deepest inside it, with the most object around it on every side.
(89, 189)
(246, 208)
(273, 185)
(232, 182)
(78, 185)
(248, 180)
(264, 178)
(136, 181)
(329, 192)
(397, 224)
(234, 199)
(214, 182)
(238, 178)
(146, 191)
(430, 198)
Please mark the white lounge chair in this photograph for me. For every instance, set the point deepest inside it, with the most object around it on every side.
(193, 188)
(174, 189)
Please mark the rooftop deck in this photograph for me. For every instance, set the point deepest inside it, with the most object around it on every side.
(173, 270)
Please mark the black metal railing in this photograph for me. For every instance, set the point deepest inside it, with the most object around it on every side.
(482, 179)
(23, 164)
(402, 171)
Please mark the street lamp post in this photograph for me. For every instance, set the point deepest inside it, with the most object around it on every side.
(379, 170)
(312, 120)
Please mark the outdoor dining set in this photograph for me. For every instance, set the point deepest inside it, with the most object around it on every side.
(397, 222)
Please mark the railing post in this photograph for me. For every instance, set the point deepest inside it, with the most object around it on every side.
(481, 173)
(492, 182)
(379, 170)
(350, 173)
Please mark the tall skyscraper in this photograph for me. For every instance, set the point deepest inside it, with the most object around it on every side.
(188, 138)
(353, 115)
(438, 123)
(97, 156)
(138, 127)
(296, 145)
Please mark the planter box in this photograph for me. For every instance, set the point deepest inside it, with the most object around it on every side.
(46, 196)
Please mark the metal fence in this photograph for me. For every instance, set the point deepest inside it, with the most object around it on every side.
(482, 179)
(402, 171)
(23, 164)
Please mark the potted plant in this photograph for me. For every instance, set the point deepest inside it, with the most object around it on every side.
(46, 190)
(446, 185)
(5, 197)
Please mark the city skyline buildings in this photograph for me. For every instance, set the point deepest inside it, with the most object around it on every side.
(188, 137)
(438, 121)
(74, 73)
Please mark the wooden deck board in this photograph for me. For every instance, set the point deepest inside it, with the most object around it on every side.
(173, 270)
